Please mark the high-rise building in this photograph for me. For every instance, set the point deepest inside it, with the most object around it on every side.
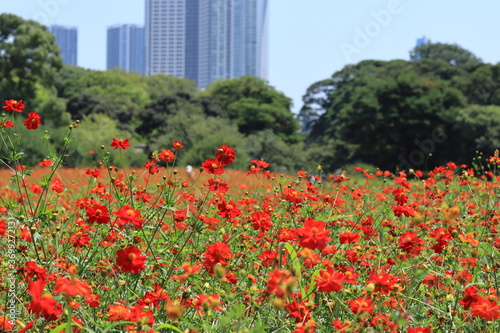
(206, 40)
(126, 48)
(67, 39)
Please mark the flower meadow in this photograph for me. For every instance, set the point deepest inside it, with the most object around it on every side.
(168, 249)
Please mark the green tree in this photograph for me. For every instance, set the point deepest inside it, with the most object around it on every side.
(29, 56)
(255, 106)
(450, 53)
(381, 111)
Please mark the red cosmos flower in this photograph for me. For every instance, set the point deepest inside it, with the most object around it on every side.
(470, 297)
(228, 209)
(13, 105)
(213, 167)
(281, 283)
(141, 313)
(361, 304)
(217, 253)
(6, 124)
(383, 283)
(300, 311)
(45, 162)
(329, 280)
(349, 237)
(261, 221)
(313, 234)
(129, 215)
(217, 185)
(225, 155)
(130, 259)
(292, 195)
(120, 143)
(151, 167)
(177, 145)
(260, 163)
(73, 286)
(410, 243)
(93, 172)
(43, 304)
(403, 210)
(80, 239)
(484, 308)
(98, 213)
(269, 257)
(33, 121)
(57, 185)
(205, 302)
(166, 155)
(419, 330)
(118, 312)
(6, 324)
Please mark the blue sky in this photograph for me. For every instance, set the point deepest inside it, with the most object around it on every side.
(309, 40)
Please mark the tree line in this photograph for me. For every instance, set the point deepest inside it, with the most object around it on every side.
(442, 105)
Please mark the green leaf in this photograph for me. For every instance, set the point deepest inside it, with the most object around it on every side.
(171, 327)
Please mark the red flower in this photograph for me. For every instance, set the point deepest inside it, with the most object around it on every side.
(217, 253)
(217, 185)
(6, 324)
(349, 237)
(130, 260)
(299, 311)
(361, 304)
(261, 221)
(419, 330)
(177, 145)
(13, 105)
(73, 286)
(329, 280)
(484, 308)
(280, 283)
(120, 143)
(129, 215)
(42, 304)
(45, 162)
(166, 155)
(410, 243)
(205, 302)
(228, 209)
(33, 121)
(213, 167)
(383, 283)
(98, 213)
(151, 167)
(313, 234)
(225, 155)
(6, 124)
(470, 297)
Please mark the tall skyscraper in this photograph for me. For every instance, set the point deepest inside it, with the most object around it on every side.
(126, 48)
(67, 39)
(206, 40)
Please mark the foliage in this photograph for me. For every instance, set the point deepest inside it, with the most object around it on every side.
(255, 106)
(381, 112)
(451, 53)
(29, 56)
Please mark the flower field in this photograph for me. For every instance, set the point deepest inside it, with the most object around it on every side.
(165, 249)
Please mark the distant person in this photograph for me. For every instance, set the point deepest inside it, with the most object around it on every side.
(189, 172)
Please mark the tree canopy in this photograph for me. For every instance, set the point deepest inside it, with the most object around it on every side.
(29, 56)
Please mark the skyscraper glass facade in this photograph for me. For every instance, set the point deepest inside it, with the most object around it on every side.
(67, 39)
(126, 48)
(206, 40)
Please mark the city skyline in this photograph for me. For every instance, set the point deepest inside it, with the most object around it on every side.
(67, 39)
(206, 40)
(125, 48)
